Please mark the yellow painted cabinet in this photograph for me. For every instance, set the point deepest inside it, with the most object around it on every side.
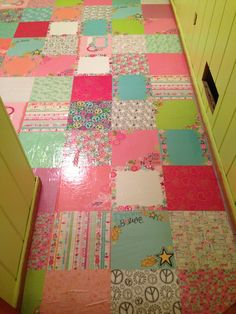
(17, 195)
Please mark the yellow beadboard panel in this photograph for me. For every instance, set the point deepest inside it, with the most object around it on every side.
(213, 31)
(223, 36)
(206, 25)
(228, 147)
(6, 290)
(11, 246)
(225, 111)
(15, 157)
(14, 207)
(231, 176)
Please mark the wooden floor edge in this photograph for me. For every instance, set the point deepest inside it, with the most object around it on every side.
(225, 189)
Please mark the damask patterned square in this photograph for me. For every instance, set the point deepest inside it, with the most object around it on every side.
(149, 230)
(36, 14)
(129, 64)
(132, 115)
(84, 188)
(51, 89)
(90, 115)
(97, 12)
(212, 244)
(72, 249)
(163, 43)
(192, 188)
(128, 44)
(155, 291)
(61, 45)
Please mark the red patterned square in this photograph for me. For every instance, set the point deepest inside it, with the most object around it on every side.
(32, 29)
(192, 188)
(92, 88)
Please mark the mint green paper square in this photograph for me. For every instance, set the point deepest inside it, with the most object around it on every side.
(7, 30)
(95, 28)
(163, 43)
(52, 89)
(184, 148)
(33, 291)
(36, 14)
(23, 46)
(43, 149)
(132, 87)
(139, 239)
(123, 12)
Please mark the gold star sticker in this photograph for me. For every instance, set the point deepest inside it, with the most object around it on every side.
(165, 257)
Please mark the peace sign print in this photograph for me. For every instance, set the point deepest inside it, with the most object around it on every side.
(177, 309)
(166, 276)
(151, 294)
(126, 308)
(116, 276)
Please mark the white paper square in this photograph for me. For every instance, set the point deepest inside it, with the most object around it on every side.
(141, 187)
(93, 65)
(63, 28)
(16, 89)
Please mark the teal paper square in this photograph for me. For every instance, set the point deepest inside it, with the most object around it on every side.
(7, 30)
(138, 238)
(184, 148)
(95, 28)
(23, 46)
(43, 149)
(122, 12)
(132, 87)
(36, 14)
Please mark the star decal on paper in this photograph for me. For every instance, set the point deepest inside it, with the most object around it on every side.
(165, 257)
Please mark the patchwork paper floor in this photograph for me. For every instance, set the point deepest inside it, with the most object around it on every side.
(131, 218)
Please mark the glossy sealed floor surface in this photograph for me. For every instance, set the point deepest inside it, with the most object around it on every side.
(131, 219)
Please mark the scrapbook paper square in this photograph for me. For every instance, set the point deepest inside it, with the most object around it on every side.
(128, 44)
(68, 3)
(20, 66)
(124, 12)
(95, 46)
(160, 26)
(26, 46)
(95, 27)
(16, 89)
(192, 188)
(51, 89)
(132, 87)
(130, 63)
(31, 29)
(36, 14)
(94, 285)
(7, 30)
(61, 45)
(135, 149)
(98, 12)
(63, 28)
(131, 26)
(157, 11)
(163, 43)
(149, 230)
(66, 14)
(43, 149)
(16, 112)
(87, 190)
(92, 88)
(40, 3)
(90, 115)
(9, 16)
(81, 240)
(93, 65)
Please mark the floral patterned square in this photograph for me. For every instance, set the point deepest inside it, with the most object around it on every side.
(129, 64)
(133, 115)
(61, 45)
(71, 249)
(97, 12)
(90, 115)
(10, 15)
(128, 44)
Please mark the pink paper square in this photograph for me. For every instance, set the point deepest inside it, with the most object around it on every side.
(163, 26)
(167, 64)
(98, 2)
(85, 189)
(56, 65)
(89, 88)
(50, 178)
(94, 46)
(16, 112)
(75, 291)
(161, 11)
(192, 188)
(132, 147)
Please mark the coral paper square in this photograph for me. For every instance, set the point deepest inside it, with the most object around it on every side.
(85, 189)
(32, 29)
(167, 64)
(192, 188)
(157, 11)
(89, 88)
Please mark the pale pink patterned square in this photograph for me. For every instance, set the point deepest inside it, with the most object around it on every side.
(16, 112)
(95, 46)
